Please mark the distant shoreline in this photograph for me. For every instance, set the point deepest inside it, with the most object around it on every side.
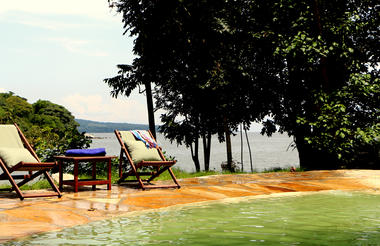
(90, 126)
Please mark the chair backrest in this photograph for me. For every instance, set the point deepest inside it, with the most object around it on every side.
(9, 137)
(12, 150)
(137, 149)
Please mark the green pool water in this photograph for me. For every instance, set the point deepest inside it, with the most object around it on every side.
(328, 218)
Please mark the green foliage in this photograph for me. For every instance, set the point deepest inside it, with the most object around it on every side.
(280, 169)
(52, 115)
(324, 60)
(348, 120)
(49, 128)
(14, 108)
(56, 131)
(19, 107)
(218, 64)
(168, 157)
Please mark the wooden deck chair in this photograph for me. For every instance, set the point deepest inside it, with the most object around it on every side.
(16, 154)
(136, 157)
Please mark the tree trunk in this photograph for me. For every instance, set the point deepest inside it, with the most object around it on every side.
(207, 150)
(241, 147)
(194, 155)
(149, 102)
(249, 149)
(228, 145)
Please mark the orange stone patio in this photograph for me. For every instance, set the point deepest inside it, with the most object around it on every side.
(37, 215)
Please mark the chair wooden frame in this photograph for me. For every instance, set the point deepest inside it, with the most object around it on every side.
(39, 168)
(159, 166)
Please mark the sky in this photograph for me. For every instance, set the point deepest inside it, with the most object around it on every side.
(62, 51)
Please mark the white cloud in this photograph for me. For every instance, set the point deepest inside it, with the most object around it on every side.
(46, 24)
(2, 90)
(93, 8)
(107, 109)
(69, 43)
(77, 46)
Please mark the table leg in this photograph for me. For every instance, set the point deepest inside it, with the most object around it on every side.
(93, 174)
(60, 175)
(109, 174)
(75, 175)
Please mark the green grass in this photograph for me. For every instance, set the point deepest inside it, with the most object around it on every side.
(44, 184)
(280, 169)
(164, 176)
(39, 185)
(181, 174)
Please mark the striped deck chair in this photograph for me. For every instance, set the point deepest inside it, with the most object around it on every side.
(138, 160)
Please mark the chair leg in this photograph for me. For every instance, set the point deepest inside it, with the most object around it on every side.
(124, 176)
(121, 164)
(134, 171)
(12, 181)
(36, 174)
(135, 174)
(52, 184)
(173, 177)
(158, 173)
(163, 170)
(16, 186)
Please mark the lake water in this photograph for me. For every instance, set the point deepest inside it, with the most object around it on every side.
(326, 218)
(267, 152)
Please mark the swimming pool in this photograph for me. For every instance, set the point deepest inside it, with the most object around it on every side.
(325, 218)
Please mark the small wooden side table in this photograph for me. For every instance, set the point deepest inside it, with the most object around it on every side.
(92, 159)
